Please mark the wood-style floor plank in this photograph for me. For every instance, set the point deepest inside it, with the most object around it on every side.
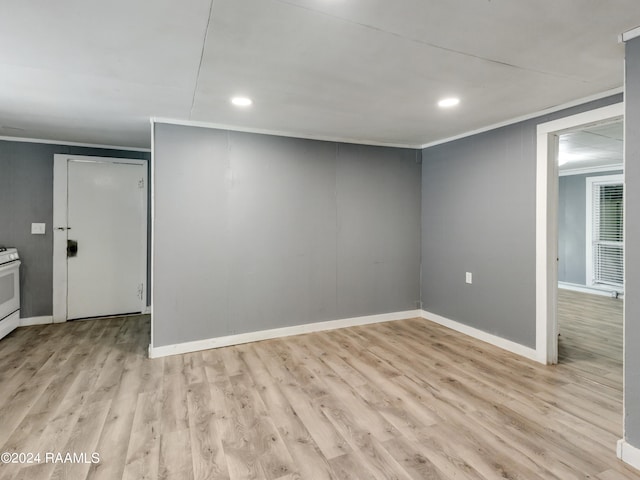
(407, 399)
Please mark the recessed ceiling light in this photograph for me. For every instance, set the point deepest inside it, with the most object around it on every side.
(448, 102)
(241, 101)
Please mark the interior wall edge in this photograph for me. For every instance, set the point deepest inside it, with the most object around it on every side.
(631, 241)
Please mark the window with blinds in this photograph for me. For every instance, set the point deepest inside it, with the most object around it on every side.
(607, 234)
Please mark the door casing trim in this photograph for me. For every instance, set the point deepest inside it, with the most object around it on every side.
(547, 222)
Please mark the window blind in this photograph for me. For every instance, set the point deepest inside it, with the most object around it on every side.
(608, 246)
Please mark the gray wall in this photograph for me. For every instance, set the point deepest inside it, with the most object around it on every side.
(632, 245)
(478, 215)
(26, 196)
(254, 232)
(572, 232)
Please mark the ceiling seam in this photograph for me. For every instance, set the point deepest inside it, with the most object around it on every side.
(204, 44)
(432, 45)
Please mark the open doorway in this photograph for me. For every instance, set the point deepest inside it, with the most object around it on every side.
(591, 249)
(547, 148)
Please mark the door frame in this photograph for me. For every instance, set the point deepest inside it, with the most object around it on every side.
(547, 222)
(60, 205)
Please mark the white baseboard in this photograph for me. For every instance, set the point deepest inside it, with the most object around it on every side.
(27, 322)
(175, 349)
(584, 289)
(198, 345)
(628, 453)
(9, 324)
(500, 342)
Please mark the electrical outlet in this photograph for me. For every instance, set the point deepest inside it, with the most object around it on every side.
(469, 277)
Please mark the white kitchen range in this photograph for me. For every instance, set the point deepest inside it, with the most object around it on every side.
(9, 290)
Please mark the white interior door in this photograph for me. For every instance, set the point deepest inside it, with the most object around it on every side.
(107, 218)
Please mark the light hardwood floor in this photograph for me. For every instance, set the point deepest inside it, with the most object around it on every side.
(591, 333)
(405, 399)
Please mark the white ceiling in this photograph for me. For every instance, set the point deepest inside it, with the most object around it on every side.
(369, 70)
(597, 146)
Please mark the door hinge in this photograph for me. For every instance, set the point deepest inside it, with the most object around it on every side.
(140, 290)
(141, 183)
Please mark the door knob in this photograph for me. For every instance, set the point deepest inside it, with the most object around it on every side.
(72, 248)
